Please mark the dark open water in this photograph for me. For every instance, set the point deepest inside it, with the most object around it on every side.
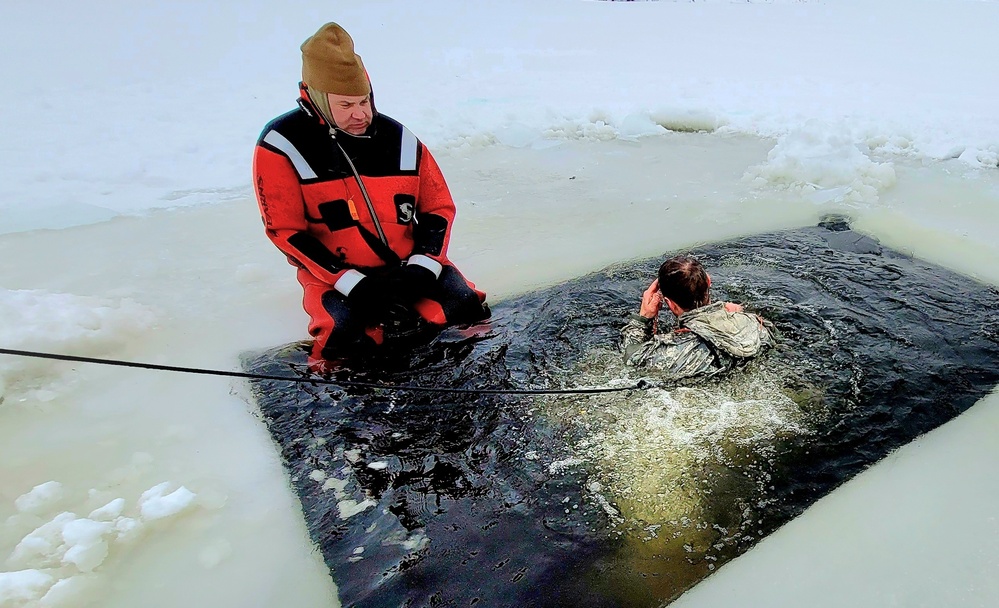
(631, 498)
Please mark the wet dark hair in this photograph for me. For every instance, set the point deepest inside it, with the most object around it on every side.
(683, 280)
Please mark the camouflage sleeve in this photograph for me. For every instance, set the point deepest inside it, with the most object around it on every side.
(676, 355)
(769, 332)
(636, 339)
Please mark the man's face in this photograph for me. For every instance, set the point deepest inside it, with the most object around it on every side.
(351, 113)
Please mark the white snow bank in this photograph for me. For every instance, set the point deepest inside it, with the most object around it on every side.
(824, 164)
(64, 323)
(178, 126)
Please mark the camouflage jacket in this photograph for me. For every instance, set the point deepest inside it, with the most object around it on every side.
(707, 340)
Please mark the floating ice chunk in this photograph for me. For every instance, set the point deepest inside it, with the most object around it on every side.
(977, 158)
(988, 158)
(378, 466)
(44, 546)
(67, 592)
(942, 150)
(41, 497)
(154, 504)
(127, 528)
(87, 557)
(84, 531)
(108, 512)
(415, 542)
(18, 588)
(317, 475)
(639, 125)
(85, 544)
(597, 130)
(970, 157)
(349, 508)
(337, 485)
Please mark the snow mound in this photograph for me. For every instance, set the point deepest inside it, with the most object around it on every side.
(824, 165)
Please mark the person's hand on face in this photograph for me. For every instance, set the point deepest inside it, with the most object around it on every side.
(652, 301)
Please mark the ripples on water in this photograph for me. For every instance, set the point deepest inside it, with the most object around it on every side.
(625, 499)
(685, 471)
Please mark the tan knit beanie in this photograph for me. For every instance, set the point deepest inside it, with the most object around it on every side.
(330, 65)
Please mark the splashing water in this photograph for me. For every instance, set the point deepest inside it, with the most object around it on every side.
(684, 470)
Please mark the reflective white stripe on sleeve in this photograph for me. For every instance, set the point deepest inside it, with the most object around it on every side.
(348, 281)
(430, 264)
(407, 156)
(281, 143)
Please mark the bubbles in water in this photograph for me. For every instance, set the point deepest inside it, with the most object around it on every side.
(680, 472)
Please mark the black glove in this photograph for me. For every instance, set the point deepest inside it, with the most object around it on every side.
(411, 282)
(371, 298)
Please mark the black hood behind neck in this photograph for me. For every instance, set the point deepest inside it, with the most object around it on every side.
(309, 107)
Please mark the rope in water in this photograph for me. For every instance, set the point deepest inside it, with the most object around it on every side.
(640, 385)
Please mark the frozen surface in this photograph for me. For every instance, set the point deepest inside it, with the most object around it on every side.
(119, 117)
(569, 132)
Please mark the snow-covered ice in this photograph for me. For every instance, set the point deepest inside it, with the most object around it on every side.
(126, 142)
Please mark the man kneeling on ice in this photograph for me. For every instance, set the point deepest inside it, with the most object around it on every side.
(358, 204)
(708, 338)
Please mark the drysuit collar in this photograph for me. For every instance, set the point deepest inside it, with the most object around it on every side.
(312, 110)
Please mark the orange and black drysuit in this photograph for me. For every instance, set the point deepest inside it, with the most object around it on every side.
(346, 209)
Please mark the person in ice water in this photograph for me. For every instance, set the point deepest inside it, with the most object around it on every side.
(357, 203)
(707, 339)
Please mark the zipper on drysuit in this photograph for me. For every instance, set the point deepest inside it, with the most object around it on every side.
(364, 191)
